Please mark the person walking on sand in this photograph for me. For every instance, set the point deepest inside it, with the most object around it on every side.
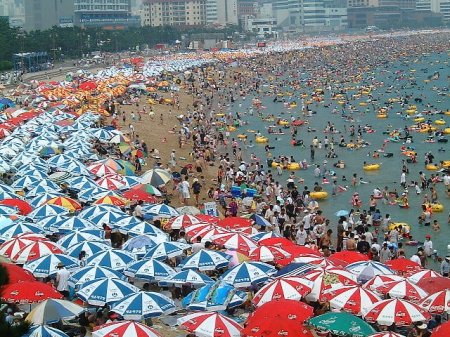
(185, 190)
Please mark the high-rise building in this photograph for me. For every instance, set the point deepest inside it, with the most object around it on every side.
(174, 13)
(222, 12)
(109, 14)
(44, 14)
(435, 6)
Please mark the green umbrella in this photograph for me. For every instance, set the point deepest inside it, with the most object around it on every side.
(342, 324)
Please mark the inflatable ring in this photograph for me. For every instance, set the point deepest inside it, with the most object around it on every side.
(371, 167)
(438, 208)
(419, 119)
(242, 136)
(261, 140)
(319, 195)
(382, 116)
(431, 167)
(396, 224)
(439, 122)
(446, 131)
(293, 166)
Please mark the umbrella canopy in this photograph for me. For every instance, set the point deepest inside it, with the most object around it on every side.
(187, 277)
(140, 195)
(191, 210)
(111, 182)
(90, 248)
(111, 200)
(12, 246)
(100, 169)
(437, 303)
(264, 235)
(386, 334)
(151, 269)
(368, 269)
(423, 274)
(395, 311)
(70, 224)
(89, 273)
(279, 318)
(139, 245)
(35, 250)
(10, 231)
(68, 203)
(248, 273)
(404, 266)
(52, 311)
(402, 289)
(205, 260)
(210, 324)
(79, 236)
(45, 331)
(350, 256)
(350, 299)
(442, 330)
(47, 210)
(295, 269)
(268, 254)
(341, 324)
(380, 280)
(235, 241)
(182, 221)
(16, 274)
(47, 265)
(105, 291)
(214, 297)
(156, 177)
(147, 188)
(29, 292)
(143, 305)
(434, 284)
(161, 210)
(114, 258)
(166, 250)
(289, 288)
(23, 206)
(234, 222)
(125, 329)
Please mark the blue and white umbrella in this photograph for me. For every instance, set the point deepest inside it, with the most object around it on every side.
(47, 222)
(52, 311)
(149, 270)
(105, 291)
(15, 229)
(114, 258)
(205, 260)
(247, 274)
(130, 181)
(90, 248)
(47, 265)
(264, 235)
(101, 134)
(111, 218)
(9, 195)
(8, 210)
(295, 269)
(260, 221)
(5, 221)
(189, 276)
(81, 183)
(61, 160)
(6, 188)
(41, 189)
(145, 304)
(75, 168)
(89, 273)
(342, 212)
(94, 210)
(47, 210)
(160, 210)
(77, 237)
(33, 173)
(89, 194)
(72, 224)
(44, 331)
(365, 270)
(167, 250)
(139, 245)
(48, 184)
(141, 228)
(41, 198)
(25, 182)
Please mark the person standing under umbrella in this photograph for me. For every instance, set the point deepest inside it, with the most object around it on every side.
(62, 278)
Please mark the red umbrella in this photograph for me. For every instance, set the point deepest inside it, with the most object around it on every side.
(423, 274)
(434, 284)
(289, 288)
(12, 246)
(321, 261)
(380, 280)
(437, 303)
(192, 231)
(350, 299)
(268, 254)
(296, 250)
(17, 274)
(36, 249)
(234, 222)
(279, 242)
(88, 86)
(235, 241)
(350, 256)
(208, 218)
(210, 324)
(23, 206)
(182, 221)
(279, 318)
(404, 266)
(29, 292)
(442, 330)
(140, 195)
(124, 329)
(402, 289)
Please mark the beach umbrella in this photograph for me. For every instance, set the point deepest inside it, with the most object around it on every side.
(113, 258)
(68, 203)
(342, 212)
(142, 228)
(234, 222)
(190, 210)
(96, 210)
(111, 200)
(279, 318)
(386, 334)
(259, 220)
(89, 273)
(156, 177)
(437, 303)
(119, 138)
(105, 291)
(188, 276)
(45, 331)
(73, 223)
(145, 304)
(350, 299)
(47, 222)
(52, 311)
(434, 284)
(442, 330)
(47, 210)
(247, 274)
(367, 269)
(47, 265)
(100, 169)
(320, 261)
(276, 241)
(268, 254)
(111, 217)
(214, 297)
(79, 236)
(210, 324)
(235, 241)
(380, 280)
(182, 221)
(166, 250)
(43, 189)
(35, 250)
(208, 233)
(289, 288)
(264, 235)
(10, 231)
(350, 256)
(16, 274)
(29, 292)
(129, 180)
(402, 289)
(25, 182)
(205, 259)
(139, 195)
(89, 194)
(403, 266)
(111, 182)
(22, 206)
(423, 274)
(12, 246)
(341, 324)
(42, 198)
(101, 134)
(395, 311)
(81, 183)
(5, 221)
(160, 210)
(328, 278)
(150, 189)
(149, 269)
(139, 245)
(193, 230)
(125, 329)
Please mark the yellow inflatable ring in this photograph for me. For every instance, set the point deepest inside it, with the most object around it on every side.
(261, 139)
(319, 195)
(396, 224)
(431, 167)
(242, 136)
(446, 164)
(382, 116)
(446, 131)
(437, 208)
(439, 122)
(231, 128)
(371, 167)
(293, 166)
(419, 119)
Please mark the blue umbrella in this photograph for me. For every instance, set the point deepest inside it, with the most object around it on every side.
(74, 167)
(8, 210)
(81, 183)
(139, 245)
(5, 221)
(89, 273)
(49, 184)
(111, 218)
(94, 210)
(47, 265)
(101, 134)
(88, 194)
(264, 235)
(166, 250)
(25, 182)
(44, 331)
(61, 159)
(114, 258)
(52, 311)
(187, 277)
(82, 236)
(105, 291)
(149, 270)
(247, 274)
(144, 305)
(15, 229)
(47, 222)
(41, 189)
(90, 248)
(42, 198)
(32, 172)
(295, 269)
(140, 228)
(205, 260)
(260, 220)
(71, 224)
(342, 212)
(47, 210)
(161, 210)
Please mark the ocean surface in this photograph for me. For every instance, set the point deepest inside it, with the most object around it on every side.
(399, 75)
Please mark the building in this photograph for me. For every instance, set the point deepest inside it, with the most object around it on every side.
(435, 6)
(174, 13)
(222, 12)
(262, 27)
(108, 14)
(44, 14)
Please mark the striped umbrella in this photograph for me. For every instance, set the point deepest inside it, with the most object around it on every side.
(182, 221)
(166, 250)
(45, 331)
(89, 273)
(52, 311)
(73, 223)
(125, 329)
(12, 246)
(47, 210)
(111, 182)
(80, 236)
(35, 250)
(42, 198)
(105, 291)
(160, 210)
(114, 258)
(210, 324)
(423, 274)
(235, 241)
(187, 277)
(111, 200)
(10, 231)
(350, 299)
(402, 289)
(268, 254)
(205, 260)
(149, 269)
(47, 265)
(100, 169)
(367, 269)
(68, 203)
(247, 274)
(90, 248)
(147, 188)
(156, 177)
